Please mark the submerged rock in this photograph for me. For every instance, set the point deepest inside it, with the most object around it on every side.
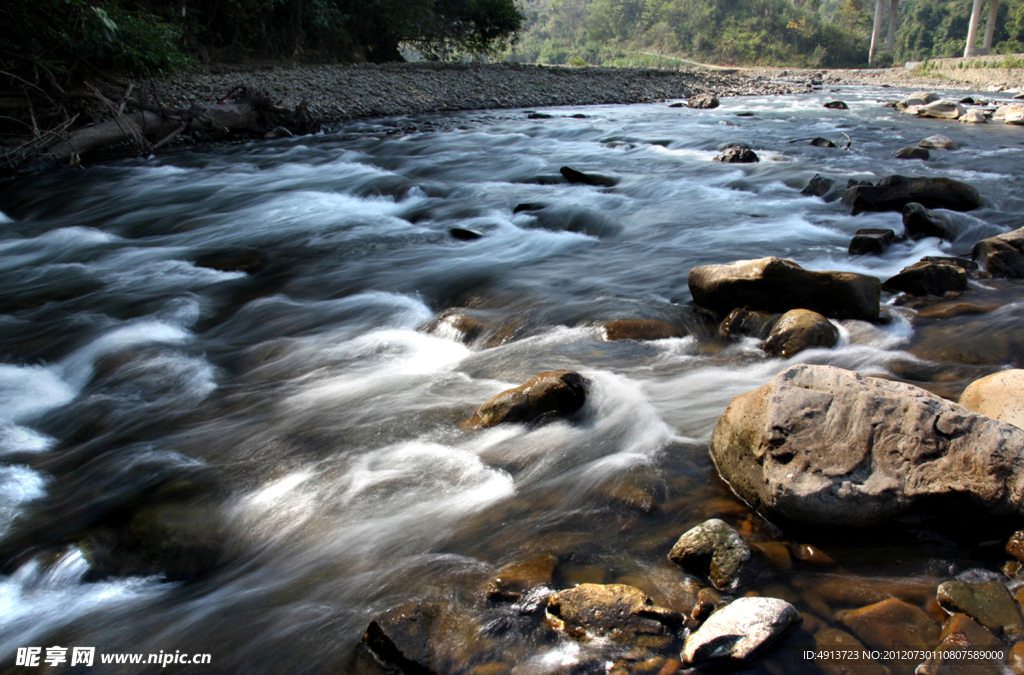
(738, 630)
(615, 612)
(462, 234)
(823, 142)
(456, 323)
(836, 105)
(516, 580)
(800, 329)
(1002, 255)
(402, 638)
(819, 444)
(545, 397)
(999, 396)
(919, 223)
(912, 152)
(777, 285)
(639, 329)
(704, 101)
(939, 142)
(580, 178)
(743, 322)
(927, 278)
(961, 634)
(895, 192)
(871, 241)
(892, 625)
(990, 604)
(713, 548)
(737, 154)
(831, 646)
(818, 186)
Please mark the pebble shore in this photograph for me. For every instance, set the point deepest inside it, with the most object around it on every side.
(340, 92)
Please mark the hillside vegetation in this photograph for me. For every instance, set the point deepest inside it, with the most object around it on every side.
(805, 33)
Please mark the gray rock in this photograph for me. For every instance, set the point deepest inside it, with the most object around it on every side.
(800, 329)
(973, 117)
(895, 192)
(1014, 114)
(580, 178)
(547, 396)
(871, 241)
(1002, 255)
(738, 630)
(939, 142)
(818, 444)
(912, 152)
(990, 604)
(919, 223)
(703, 101)
(715, 549)
(823, 142)
(836, 105)
(777, 285)
(918, 98)
(942, 110)
(615, 612)
(818, 186)
(737, 154)
(927, 278)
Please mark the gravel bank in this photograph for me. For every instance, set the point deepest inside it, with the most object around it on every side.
(348, 91)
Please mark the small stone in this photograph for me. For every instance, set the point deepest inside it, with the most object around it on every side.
(973, 117)
(735, 154)
(738, 630)
(743, 322)
(1012, 568)
(871, 241)
(894, 625)
(715, 548)
(401, 637)
(615, 611)
(800, 329)
(961, 634)
(1016, 659)
(547, 396)
(708, 600)
(939, 142)
(828, 642)
(1015, 546)
(836, 105)
(1002, 255)
(516, 580)
(990, 604)
(703, 101)
(775, 552)
(913, 152)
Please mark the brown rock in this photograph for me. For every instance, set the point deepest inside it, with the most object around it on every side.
(456, 324)
(515, 580)
(402, 638)
(812, 555)
(999, 396)
(775, 552)
(800, 329)
(743, 322)
(913, 152)
(871, 241)
(777, 285)
(615, 612)
(960, 633)
(895, 192)
(892, 624)
(547, 396)
(715, 548)
(639, 329)
(708, 600)
(927, 278)
(1016, 659)
(828, 641)
(823, 445)
(919, 223)
(1015, 546)
(990, 604)
(1002, 255)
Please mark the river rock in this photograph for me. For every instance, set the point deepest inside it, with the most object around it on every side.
(456, 323)
(836, 105)
(912, 152)
(639, 329)
(704, 101)
(823, 143)
(547, 396)
(800, 329)
(819, 444)
(818, 186)
(943, 109)
(1014, 114)
(516, 580)
(999, 396)
(871, 241)
(713, 548)
(743, 322)
(927, 278)
(894, 625)
(960, 633)
(615, 612)
(1002, 255)
(990, 604)
(463, 234)
(919, 223)
(895, 192)
(777, 285)
(918, 98)
(829, 641)
(578, 177)
(737, 154)
(738, 630)
(973, 117)
(1015, 545)
(939, 142)
(401, 637)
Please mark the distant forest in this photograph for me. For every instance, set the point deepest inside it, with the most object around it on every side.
(809, 33)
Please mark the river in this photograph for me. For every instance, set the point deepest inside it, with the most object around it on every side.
(237, 332)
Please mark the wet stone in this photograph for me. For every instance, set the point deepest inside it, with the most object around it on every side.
(1015, 545)
(827, 641)
(913, 152)
(962, 634)
(812, 555)
(919, 223)
(639, 329)
(739, 630)
(775, 553)
(736, 154)
(939, 142)
(1001, 397)
(714, 548)
(462, 234)
(401, 637)
(836, 105)
(818, 186)
(516, 580)
(1016, 659)
(1002, 255)
(580, 178)
(743, 322)
(616, 612)
(990, 604)
(871, 241)
(926, 278)
(708, 600)
(823, 143)
(548, 396)
(800, 329)
(892, 624)
(703, 101)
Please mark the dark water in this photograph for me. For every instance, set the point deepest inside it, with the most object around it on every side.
(294, 408)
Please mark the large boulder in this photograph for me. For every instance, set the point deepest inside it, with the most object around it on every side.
(918, 98)
(737, 631)
(912, 152)
(800, 329)
(1002, 255)
(999, 396)
(547, 396)
(704, 101)
(927, 278)
(1014, 114)
(920, 223)
(612, 612)
(819, 444)
(713, 548)
(777, 285)
(895, 192)
(943, 109)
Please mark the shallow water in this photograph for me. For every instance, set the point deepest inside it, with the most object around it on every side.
(239, 329)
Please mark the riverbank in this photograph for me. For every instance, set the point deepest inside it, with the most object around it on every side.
(974, 74)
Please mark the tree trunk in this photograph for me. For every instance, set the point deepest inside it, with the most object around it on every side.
(890, 38)
(876, 32)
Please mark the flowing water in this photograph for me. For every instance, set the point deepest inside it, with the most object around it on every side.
(232, 338)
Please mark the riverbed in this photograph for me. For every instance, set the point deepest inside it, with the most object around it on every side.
(232, 342)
